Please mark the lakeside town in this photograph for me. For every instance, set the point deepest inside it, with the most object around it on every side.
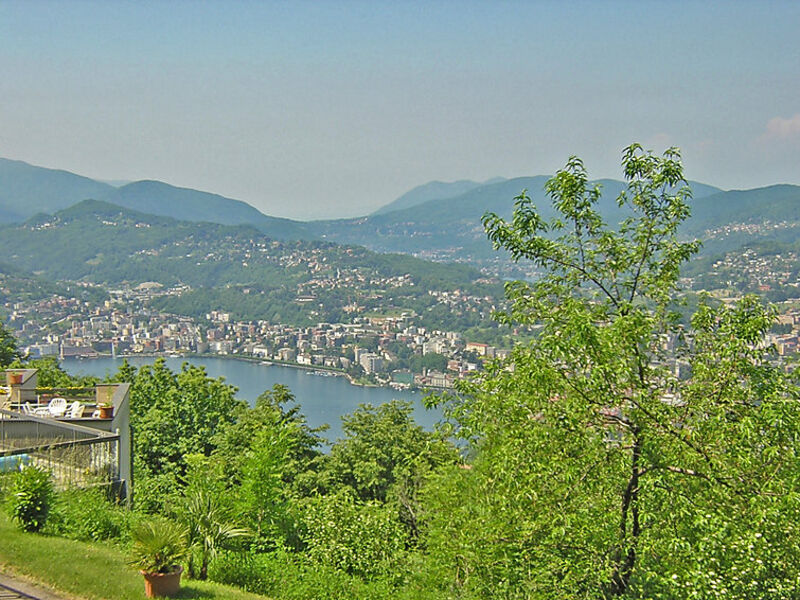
(389, 349)
(371, 350)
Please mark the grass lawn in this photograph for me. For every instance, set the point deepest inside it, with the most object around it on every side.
(92, 571)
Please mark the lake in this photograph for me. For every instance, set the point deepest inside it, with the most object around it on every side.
(322, 399)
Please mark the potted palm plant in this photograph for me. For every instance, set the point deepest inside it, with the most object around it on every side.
(158, 548)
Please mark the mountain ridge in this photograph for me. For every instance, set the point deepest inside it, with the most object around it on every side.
(440, 228)
(432, 190)
(26, 189)
(450, 228)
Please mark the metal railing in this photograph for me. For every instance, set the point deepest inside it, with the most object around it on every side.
(77, 456)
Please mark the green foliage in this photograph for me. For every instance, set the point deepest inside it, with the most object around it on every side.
(9, 351)
(360, 538)
(385, 457)
(467, 525)
(5, 483)
(597, 473)
(261, 497)
(245, 570)
(208, 530)
(29, 498)
(87, 514)
(51, 375)
(269, 455)
(288, 576)
(275, 410)
(431, 361)
(382, 447)
(157, 545)
(125, 374)
(16, 285)
(174, 415)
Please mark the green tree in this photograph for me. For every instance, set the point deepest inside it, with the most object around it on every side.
(274, 409)
(269, 458)
(125, 374)
(385, 456)
(174, 415)
(262, 496)
(430, 361)
(597, 473)
(9, 351)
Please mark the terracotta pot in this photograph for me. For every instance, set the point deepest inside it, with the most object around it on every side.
(106, 412)
(14, 378)
(162, 584)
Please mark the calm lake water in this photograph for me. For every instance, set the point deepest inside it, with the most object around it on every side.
(322, 399)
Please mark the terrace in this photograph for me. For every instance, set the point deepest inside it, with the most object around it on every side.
(88, 444)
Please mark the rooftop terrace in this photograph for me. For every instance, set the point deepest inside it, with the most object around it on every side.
(81, 435)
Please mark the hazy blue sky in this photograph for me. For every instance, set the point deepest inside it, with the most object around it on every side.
(321, 109)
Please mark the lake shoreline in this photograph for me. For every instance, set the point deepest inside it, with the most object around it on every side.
(330, 371)
(323, 399)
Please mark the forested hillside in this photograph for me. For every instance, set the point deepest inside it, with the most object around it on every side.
(232, 268)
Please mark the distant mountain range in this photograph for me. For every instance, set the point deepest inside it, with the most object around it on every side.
(26, 190)
(450, 228)
(437, 220)
(774, 203)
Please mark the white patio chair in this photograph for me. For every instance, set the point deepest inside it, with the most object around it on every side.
(41, 411)
(56, 408)
(76, 410)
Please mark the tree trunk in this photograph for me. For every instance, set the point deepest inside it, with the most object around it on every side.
(629, 520)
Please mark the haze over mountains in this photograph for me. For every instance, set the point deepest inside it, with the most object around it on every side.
(437, 220)
(434, 190)
(26, 190)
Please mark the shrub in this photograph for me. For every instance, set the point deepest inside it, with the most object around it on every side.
(361, 538)
(5, 483)
(29, 498)
(281, 574)
(207, 531)
(240, 569)
(87, 514)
